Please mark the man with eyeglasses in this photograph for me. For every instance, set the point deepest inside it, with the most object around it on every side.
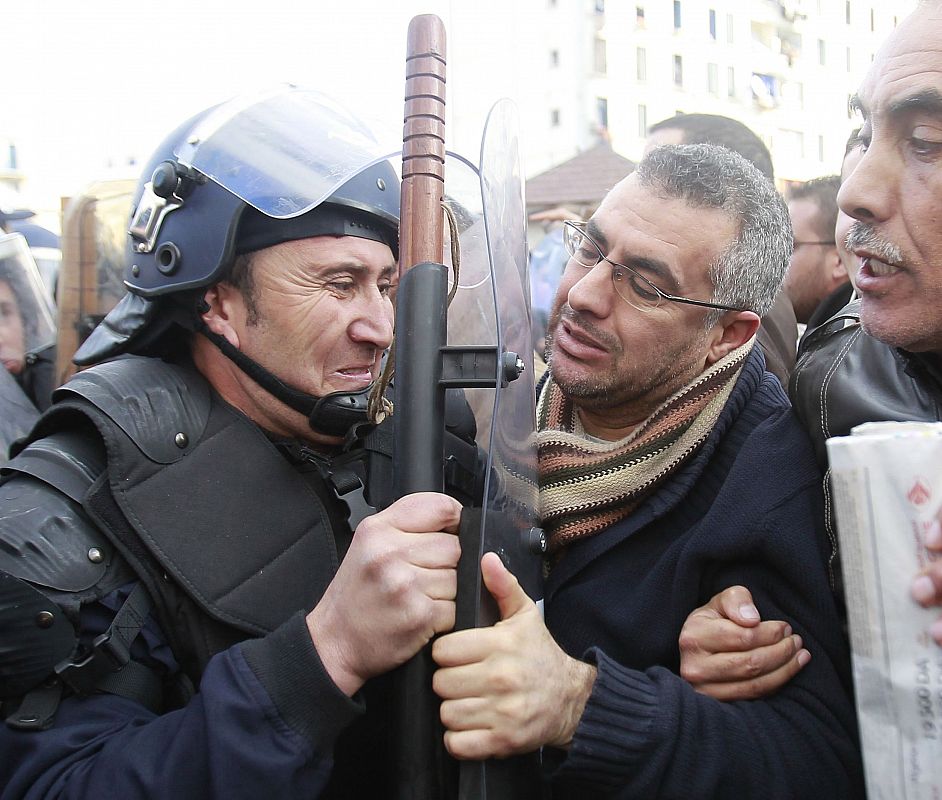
(816, 282)
(670, 467)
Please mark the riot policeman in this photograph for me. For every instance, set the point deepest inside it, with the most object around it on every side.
(186, 610)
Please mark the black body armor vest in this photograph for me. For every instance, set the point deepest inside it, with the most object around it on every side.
(228, 536)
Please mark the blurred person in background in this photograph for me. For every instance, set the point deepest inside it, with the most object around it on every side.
(853, 152)
(816, 282)
(43, 243)
(547, 262)
(27, 327)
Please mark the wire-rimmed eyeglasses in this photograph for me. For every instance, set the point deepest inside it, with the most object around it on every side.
(631, 286)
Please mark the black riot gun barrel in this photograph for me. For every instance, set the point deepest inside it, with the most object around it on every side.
(418, 452)
(426, 368)
(419, 421)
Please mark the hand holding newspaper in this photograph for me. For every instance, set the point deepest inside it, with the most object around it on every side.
(887, 484)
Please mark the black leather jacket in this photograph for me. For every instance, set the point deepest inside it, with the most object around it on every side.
(844, 378)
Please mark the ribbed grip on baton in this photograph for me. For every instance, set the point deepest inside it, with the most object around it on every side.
(423, 143)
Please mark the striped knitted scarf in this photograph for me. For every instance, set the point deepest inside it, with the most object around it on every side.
(586, 486)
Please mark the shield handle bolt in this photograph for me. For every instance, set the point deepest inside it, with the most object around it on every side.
(512, 367)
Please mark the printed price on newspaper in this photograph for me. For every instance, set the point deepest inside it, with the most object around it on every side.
(887, 482)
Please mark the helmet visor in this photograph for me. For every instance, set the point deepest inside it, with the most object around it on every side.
(283, 151)
(26, 310)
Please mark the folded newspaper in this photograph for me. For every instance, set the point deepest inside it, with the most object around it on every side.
(887, 487)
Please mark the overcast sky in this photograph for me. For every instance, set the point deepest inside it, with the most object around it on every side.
(90, 83)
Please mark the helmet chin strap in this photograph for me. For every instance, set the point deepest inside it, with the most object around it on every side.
(334, 414)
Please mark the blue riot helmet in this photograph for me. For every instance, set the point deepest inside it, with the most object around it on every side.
(242, 176)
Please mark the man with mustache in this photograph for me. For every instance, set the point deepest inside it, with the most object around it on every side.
(879, 358)
(670, 465)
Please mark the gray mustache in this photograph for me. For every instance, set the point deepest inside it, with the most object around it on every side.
(862, 236)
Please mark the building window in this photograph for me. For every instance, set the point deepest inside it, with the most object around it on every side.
(678, 71)
(793, 93)
(642, 120)
(599, 6)
(822, 52)
(821, 149)
(792, 143)
(848, 60)
(639, 16)
(847, 11)
(713, 24)
(601, 112)
(731, 81)
(641, 67)
(873, 21)
(601, 56)
(676, 15)
(713, 79)
(730, 26)
(554, 118)
(765, 90)
(554, 58)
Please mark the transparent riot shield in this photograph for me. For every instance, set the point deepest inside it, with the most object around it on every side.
(494, 290)
(491, 306)
(512, 489)
(27, 317)
(94, 230)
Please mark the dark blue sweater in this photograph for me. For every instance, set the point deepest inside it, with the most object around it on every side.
(263, 724)
(747, 509)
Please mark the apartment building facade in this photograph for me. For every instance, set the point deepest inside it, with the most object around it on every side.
(610, 68)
